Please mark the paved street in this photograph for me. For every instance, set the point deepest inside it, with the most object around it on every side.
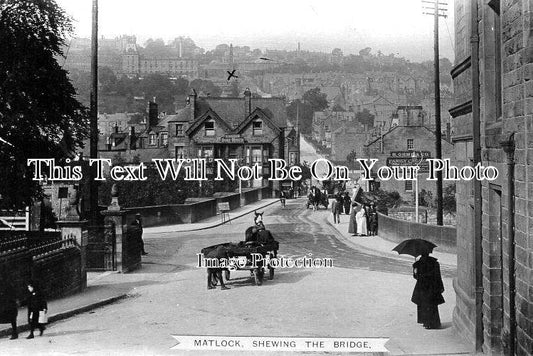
(362, 296)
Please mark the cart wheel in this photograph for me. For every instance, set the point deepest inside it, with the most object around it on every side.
(258, 277)
(227, 275)
(270, 273)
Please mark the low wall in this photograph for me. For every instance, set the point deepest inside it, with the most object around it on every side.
(54, 264)
(194, 211)
(396, 230)
(176, 213)
(234, 200)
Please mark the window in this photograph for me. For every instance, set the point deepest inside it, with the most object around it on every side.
(209, 127)
(179, 129)
(257, 128)
(152, 139)
(257, 155)
(180, 152)
(205, 152)
(164, 138)
(408, 185)
(410, 144)
(292, 158)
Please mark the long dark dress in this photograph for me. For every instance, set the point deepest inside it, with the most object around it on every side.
(352, 225)
(427, 294)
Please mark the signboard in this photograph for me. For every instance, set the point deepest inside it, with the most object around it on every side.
(409, 154)
(224, 206)
(424, 165)
(231, 138)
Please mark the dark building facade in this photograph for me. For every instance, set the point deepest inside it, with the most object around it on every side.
(252, 130)
(492, 125)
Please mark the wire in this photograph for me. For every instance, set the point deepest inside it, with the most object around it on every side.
(68, 50)
(449, 35)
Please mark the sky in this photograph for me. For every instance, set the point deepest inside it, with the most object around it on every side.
(392, 26)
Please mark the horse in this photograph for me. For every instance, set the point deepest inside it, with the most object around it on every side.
(250, 234)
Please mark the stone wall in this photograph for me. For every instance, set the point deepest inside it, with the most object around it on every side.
(397, 230)
(505, 74)
(194, 211)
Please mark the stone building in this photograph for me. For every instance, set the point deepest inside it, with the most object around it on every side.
(250, 129)
(492, 125)
(395, 147)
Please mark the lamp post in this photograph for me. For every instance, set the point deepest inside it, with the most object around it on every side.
(415, 156)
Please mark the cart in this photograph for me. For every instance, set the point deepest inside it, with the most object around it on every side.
(247, 250)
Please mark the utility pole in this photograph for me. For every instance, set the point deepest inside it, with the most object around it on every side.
(437, 12)
(93, 184)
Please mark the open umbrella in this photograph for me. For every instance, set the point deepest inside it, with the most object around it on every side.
(415, 247)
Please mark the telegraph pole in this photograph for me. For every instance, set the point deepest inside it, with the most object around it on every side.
(437, 12)
(93, 184)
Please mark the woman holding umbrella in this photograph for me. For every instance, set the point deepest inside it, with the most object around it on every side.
(427, 294)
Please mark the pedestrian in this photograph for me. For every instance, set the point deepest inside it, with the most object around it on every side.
(139, 225)
(37, 309)
(291, 193)
(347, 201)
(373, 220)
(299, 192)
(427, 294)
(335, 210)
(8, 305)
(282, 198)
(360, 217)
(352, 225)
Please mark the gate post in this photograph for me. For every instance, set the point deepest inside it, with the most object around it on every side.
(117, 217)
(73, 227)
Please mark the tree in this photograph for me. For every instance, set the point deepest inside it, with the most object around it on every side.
(304, 111)
(350, 158)
(317, 100)
(205, 86)
(39, 113)
(365, 117)
(449, 202)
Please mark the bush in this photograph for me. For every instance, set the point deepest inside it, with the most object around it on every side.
(383, 199)
(449, 204)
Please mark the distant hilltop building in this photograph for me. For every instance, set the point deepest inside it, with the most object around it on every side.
(134, 63)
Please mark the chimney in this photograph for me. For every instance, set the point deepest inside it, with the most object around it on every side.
(191, 101)
(231, 55)
(152, 114)
(132, 137)
(181, 53)
(248, 101)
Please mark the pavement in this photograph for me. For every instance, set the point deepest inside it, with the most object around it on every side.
(381, 247)
(110, 287)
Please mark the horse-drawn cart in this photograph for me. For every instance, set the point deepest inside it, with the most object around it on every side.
(251, 255)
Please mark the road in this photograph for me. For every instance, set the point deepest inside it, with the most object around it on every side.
(362, 295)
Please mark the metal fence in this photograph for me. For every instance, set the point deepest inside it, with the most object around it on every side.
(101, 248)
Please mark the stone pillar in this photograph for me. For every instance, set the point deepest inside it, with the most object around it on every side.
(117, 217)
(73, 227)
